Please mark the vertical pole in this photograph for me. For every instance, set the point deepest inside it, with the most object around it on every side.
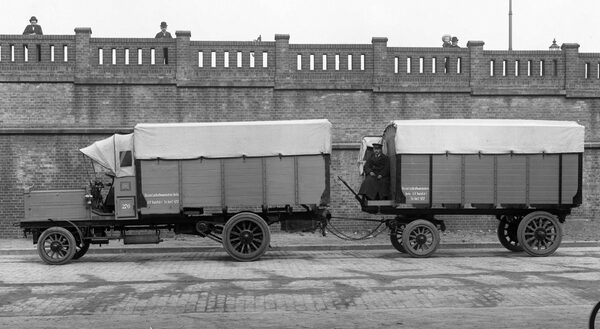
(180, 178)
(560, 178)
(463, 164)
(527, 180)
(496, 181)
(431, 181)
(509, 24)
(263, 165)
(223, 195)
(296, 182)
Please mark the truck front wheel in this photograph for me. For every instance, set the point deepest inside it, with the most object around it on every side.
(246, 237)
(56, 246)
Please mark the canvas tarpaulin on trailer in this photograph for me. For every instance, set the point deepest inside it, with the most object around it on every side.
(487, 136)
(232, 139)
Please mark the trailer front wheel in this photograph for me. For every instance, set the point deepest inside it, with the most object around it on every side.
(539, 233)
(246, 237)
(420, 238)
(56, 246)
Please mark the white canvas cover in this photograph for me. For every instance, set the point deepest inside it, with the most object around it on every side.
(106, 153)
(468, 136)
(231, 139)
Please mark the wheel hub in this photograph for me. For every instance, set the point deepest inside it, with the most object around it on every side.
(421, 239)
(246, 237)
(540, 234)
(55, 246)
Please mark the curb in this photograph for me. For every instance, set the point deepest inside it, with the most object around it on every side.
(216, 248)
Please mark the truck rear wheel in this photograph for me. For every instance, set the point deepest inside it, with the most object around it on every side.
(246, 237)
(56, 246)
(539, 233)
(420, 238)
(507, 233)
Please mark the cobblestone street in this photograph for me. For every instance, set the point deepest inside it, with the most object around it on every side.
(458, 288)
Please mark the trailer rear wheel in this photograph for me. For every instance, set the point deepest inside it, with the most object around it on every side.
(56, 246)
(246, 237)
(420, 238)
(396, 237)
(507, 233)
(539, 233)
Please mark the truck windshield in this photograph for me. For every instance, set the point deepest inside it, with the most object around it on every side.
(100, 181)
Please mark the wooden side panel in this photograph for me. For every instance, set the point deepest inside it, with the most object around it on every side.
(543, 179)
(201, 183)
(56, 204)
(311, 178)
(415, 178)
(243, 182)
(160, 186)
(512, 179)
(570, 177)
(446, 178)
(280, 181)
(479, 179)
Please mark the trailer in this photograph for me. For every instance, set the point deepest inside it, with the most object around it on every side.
(526, 173)
(227, 181)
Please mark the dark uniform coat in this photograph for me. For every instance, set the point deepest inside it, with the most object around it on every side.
(372, 187)
(163, 35)
(33, 29)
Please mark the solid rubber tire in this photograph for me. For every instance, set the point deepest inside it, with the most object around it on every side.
(245, 223)
(65, 242)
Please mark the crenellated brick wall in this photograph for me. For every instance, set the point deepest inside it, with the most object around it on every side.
(61, 96)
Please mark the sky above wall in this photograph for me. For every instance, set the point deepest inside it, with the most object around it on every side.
(405, 23)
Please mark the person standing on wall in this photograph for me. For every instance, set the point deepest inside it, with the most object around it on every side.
(33, 28)
(163, 31)
(454, 43)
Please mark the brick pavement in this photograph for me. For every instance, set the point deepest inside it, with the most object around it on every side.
(158, 286)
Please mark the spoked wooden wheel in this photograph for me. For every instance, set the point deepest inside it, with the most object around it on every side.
(539, 233)
(56, 246)
(507, 233)
(396, 237)
(246, 237)
(420, 238)
(81, 249)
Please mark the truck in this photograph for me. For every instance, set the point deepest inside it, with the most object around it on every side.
(227, 181)
(526, 173)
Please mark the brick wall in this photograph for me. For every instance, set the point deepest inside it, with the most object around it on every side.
(50, 109)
